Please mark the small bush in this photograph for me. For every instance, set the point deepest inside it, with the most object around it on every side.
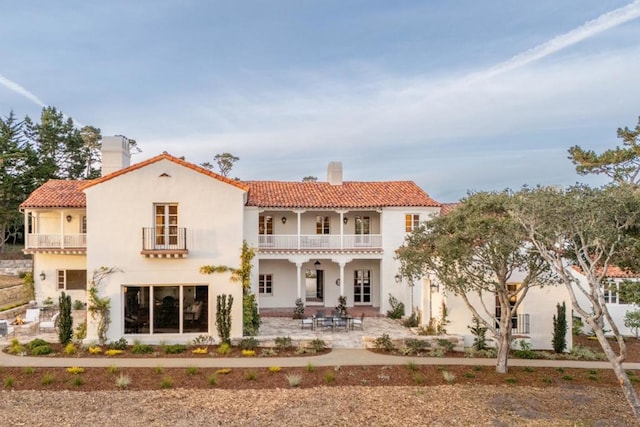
(329, 377)
(113, 352)
(47, 379)
(224, 371)
(166, 382)
(139, 348)
(175, 349)
(95, 350)
(268, 352)
(446, 345)
(78, 381)
(9, 382)
(192, 370)
(585, 353)
(248, 353)
(249, 343)
(123, 381)
(528, 369)
(78, 305)
(592, 377)
(158, 370)
(112, 370)
(412, 366)
(567, 377)
(250, 375)
(75, 370)
(275, 369)
(41, 350)
(224, 349)
(547, 380)
(436, 352)
(448, 376)
(418, 378)
(397, 308)
(29, 370)
(70, 349)
(510, 380)
(38, 342)
(469, 375)
(203, 340)
(200, 350)
(384, 343)
(294, 380)
(283, 342)
(411, 321)
(317, 345)
(15, 347)
(120, 344)
(415, 346)
(310, 367)
(213, 380)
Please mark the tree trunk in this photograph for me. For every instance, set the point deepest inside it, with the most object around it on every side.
(504, 346)
(627, 388)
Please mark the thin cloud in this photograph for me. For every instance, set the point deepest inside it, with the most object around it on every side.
(15, 87)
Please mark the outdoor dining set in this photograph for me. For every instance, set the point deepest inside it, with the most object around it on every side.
(333, 322)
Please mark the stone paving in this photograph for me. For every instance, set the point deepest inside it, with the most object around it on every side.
(273, 327)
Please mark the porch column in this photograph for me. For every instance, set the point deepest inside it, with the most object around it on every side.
(62, 230)
(298, 213)
(342, 264)
(342, 212)
(299, 280)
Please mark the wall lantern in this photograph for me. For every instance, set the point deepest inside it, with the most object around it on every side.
(69, 218)
(345, 220)
(398, 278)
(42, 275)
(317, 263)
(435, 286)
(284, 219)
(337, 282)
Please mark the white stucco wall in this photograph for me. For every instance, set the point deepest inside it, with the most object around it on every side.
(212, 212)
(50, 264)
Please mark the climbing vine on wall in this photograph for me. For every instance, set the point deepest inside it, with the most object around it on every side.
(99, 307)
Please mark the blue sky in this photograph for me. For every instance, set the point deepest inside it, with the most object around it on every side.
(455, 95)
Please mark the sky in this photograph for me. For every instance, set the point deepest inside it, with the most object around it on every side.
(458, 96)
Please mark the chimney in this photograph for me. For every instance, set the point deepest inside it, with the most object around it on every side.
(334, 173)
(115, 154)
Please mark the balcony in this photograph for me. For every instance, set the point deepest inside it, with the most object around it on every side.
(520, 324)
(56, 243)
(320, 242)
(164, 245)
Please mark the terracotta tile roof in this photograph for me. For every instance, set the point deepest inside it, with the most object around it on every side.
(57, 193)
(278, 194)
(166, 156)
(613, 272)
(448, 207)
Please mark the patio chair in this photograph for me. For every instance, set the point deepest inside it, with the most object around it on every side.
(5, 328)
(50, 324)
(358, 323)
(307, 322)
(323, 322)
(32, 315)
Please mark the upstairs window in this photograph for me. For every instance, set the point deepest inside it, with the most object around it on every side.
(411, 222)
(322, 225)
(265, 224)
(72, 280)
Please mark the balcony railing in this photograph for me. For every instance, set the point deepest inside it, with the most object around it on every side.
(172, 243)
(56, 241)
(320, 241)
(520, 324)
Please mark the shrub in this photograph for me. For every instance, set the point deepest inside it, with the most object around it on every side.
(95, 350)
(342, 305)
(120, 344)
(70, 349)
(224, 349)
(268, 352)
(8, 382)
(250, 375)
(112, 370)
(213, 380)
(479, 332)
(65, 321)
(200, 350)
(559, 340)
(418, 378)
(585, 353)
(158, 370)
(415, 346)
(317, 344)
(75, 370)
(436, 352)
(446, 345)
(78, 381)
(29, 370)
(397, 308)
(525, 351)
(510, 380)
(329, 377)
(166, 382)
(384, 343)
(223, 317)
(249, 343)
(192, 370)
(113, 352)
(412, 321)
(632, 321)
(224, 371)
(36, 343)
(309, 367)
(81, 331)
(283, 342)
(139, 348)
(577, 325)
(469, 375)
(175, 349)
(448, 376)
(274, 369)
(294, 380)
(47, 379)
(15, 347)
(78, 305)
(123, 381)
(248, 353)
(41, 350)
(251, 314)
(412, 366)
(203, 340)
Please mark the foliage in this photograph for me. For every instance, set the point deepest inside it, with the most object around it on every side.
(317, 344)
(397, 308)
(41, 350)
(384, 343)
(29, 286)
(473, 251)
(202, 340)
(65, 320)
(444, 319)
(274, 369)
(123, 381)
(412, 321)
(248, 353)
(525, 351)
(479, 331)
(249, 343)
(298, 311)
(294, 380)
(95, 350)
(224, 349)
(446, 345)
(560, 328)
(632, 321)
(75, 370)
(99, 307)
(36, 342)
(175, 348)
(283, 342)
(200, 350)
(139, 348)
(592, 228)
(119, 344)
(225, 162)
(621, 164)
(70, 349)
(113, 352)
(415, 346)
(223, 317)
(47, 301)
(251, 314)
(81, 331)
(577, 325)
(78, 305)
(342, 305)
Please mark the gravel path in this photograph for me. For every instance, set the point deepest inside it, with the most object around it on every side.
(448, 405)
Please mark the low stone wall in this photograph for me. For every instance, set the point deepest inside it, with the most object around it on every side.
(13, 267)
(11, 295)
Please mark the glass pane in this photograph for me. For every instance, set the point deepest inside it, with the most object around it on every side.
(77, 279)
(136, 309)
(195, 315)
(166, 309)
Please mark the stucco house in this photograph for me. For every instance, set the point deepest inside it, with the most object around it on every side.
(158, 221)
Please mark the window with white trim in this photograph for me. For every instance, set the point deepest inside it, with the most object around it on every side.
(322, 225)
(265, 284)
(612, 294)
(411, 222)
(72, 280)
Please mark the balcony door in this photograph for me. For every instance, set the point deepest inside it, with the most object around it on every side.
(362, 229)
(362, 287)
(265, 231)
(166, 225)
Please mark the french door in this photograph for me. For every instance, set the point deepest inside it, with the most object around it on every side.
(166, 225)
(362, 287)
(362, 229)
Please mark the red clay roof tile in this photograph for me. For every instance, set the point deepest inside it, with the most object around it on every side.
(57, 193)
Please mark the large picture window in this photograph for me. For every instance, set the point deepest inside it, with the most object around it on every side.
(165, 309)
(72, 280)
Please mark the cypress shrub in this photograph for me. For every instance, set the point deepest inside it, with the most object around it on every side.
(65, 321)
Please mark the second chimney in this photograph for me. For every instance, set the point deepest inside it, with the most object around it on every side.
(334, 173)
(115, 154)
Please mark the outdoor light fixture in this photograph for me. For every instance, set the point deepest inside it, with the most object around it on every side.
(398, 278)
(284, 220)
(435, 287)
(317, 263)
(345, 220)
(42, 275)
(337, 282)
(69, 218)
